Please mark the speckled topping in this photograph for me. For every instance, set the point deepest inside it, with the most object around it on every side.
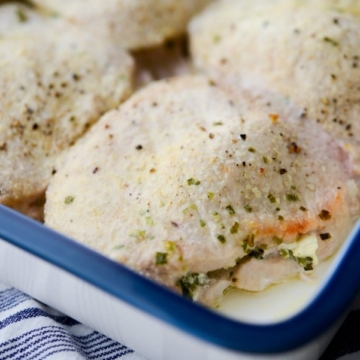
(183, 179)
(308, 55)
(54, 85)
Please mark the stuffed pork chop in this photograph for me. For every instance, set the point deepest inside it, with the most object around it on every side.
(308, 55)
(131, 24)
(187, 185)
(54, 85)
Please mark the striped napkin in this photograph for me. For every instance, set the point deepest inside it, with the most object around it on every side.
(31, 330)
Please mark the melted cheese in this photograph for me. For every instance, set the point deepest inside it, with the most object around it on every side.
(305, 247)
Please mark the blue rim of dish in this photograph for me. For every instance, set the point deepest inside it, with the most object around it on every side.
(331, 302)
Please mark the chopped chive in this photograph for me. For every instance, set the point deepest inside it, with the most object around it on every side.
(292, 197)
(302, 208)
(216, 38)
(161, 258)
(192, 181)
(230, 210)
(221, 238)
(283, 253)
(265, 160)
(248, 208)
(271, 198)
(22, 17)
(235, 228)
(331, 41)
(251, 149)
(257, 253)
(202, 223)
(69, 200)
(277, 240)
(250, 239)
(210, 195)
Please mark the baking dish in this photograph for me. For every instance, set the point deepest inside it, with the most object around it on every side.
(155, 321)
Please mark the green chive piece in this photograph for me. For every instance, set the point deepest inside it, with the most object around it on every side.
(22, 17)
(277, 240)
(248, 208)
(235, 228)
(292, 197)
(69, 200)
(271, 198)
(216, 38)
(221, 238)
(331, 41)
(230, 210)
(161, 258)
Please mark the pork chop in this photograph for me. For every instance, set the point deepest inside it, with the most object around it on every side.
(54, 85)
(308, 55)
(185, 182)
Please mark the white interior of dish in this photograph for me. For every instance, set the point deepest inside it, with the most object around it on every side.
(284, 300)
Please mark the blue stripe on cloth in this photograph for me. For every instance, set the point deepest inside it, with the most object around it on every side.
(41, 345)
(51, 333)
(91, 346)
(11, 298)
(66, 343)
(58, 335)
(47, 330)
(33, 313)
(33, 356)
(34, 336)
(53, 353)
(87, 340)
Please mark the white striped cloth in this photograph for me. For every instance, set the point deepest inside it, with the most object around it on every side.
(31, 330)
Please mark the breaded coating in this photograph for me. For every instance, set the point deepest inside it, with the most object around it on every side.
(310, 56)
(131, 24)
(186, 182)
(54, 85)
